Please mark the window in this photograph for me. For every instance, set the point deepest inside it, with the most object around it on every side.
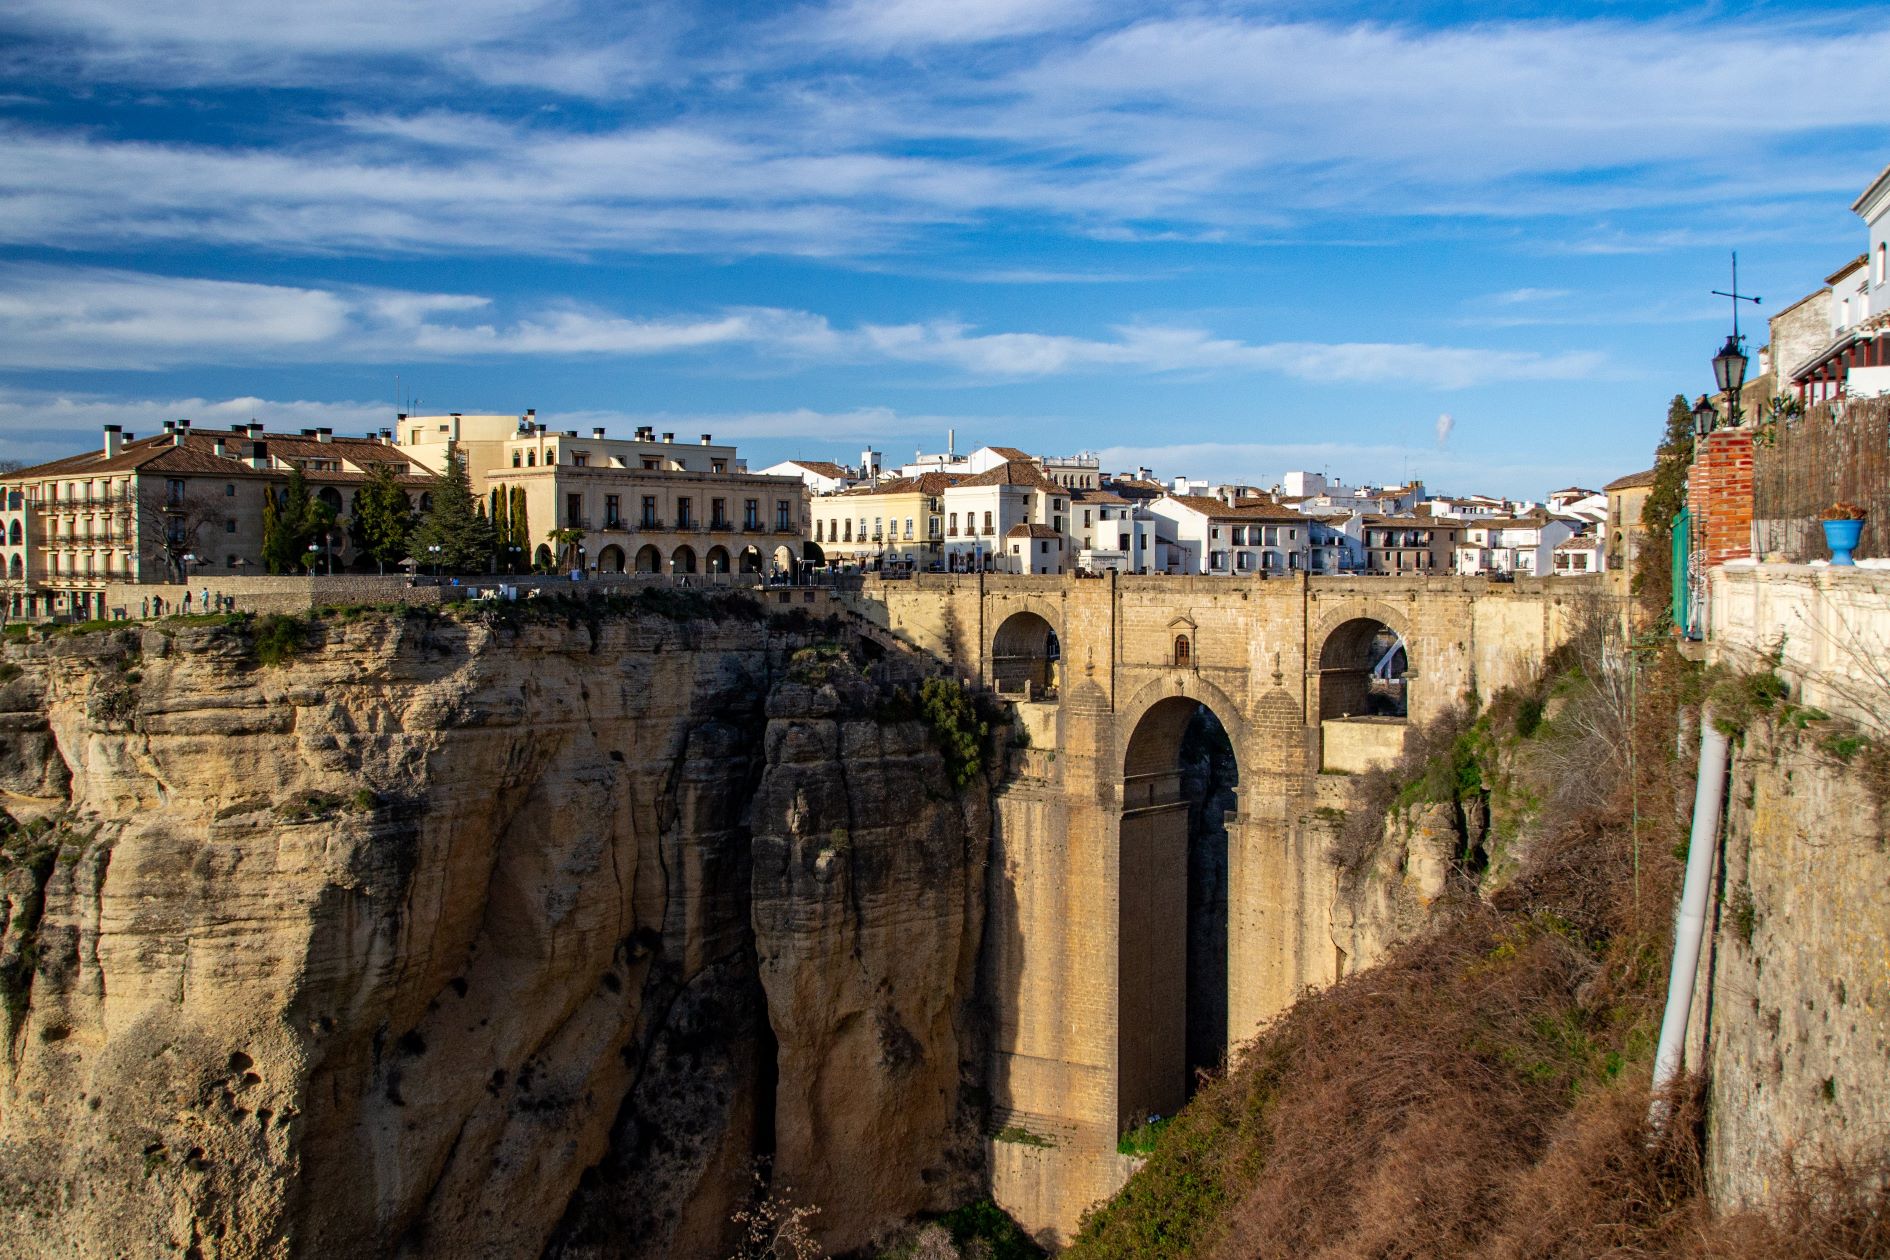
(987, 523)
(531, 459)
(229, 490)
(820, 531)
(951, 526)
(551, 455)
(718, 513)
(876, 528)
(783, 515)
(1184, 651)
(416, 437)
(613, 511)
(574, 511)
(1883, 262)
(849, 523)
(174, 491)
(718, 465)
(518, 459)
(649, 510)
(908, 528)
(685, 510)
(229, 525)
(580, 459)
(649, 464)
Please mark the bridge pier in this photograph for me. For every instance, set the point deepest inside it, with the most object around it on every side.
(1084, 965)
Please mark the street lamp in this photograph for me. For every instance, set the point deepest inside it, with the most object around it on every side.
(1705, 416)
(314, 550)
(433, 549)
(1729, 373)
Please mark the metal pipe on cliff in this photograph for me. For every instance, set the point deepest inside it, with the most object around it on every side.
(1689, 929)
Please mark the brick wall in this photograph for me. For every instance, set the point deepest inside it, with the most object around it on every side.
(1719, 493)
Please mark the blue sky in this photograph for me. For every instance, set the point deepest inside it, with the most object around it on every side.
(1222, 239)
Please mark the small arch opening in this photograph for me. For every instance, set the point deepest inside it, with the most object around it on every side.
(1026, 657)
(649, 559)
(1362, 672)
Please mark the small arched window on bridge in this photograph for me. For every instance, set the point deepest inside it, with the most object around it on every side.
(1184, 651)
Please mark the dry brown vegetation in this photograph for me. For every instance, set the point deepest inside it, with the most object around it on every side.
(1483, 1093)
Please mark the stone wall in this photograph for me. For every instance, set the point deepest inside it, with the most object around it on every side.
(1796, 981)
(1829, 628)
(1792, 1025)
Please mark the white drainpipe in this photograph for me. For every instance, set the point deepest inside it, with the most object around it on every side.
(1690, 927)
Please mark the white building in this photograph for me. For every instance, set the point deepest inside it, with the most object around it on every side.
(982, 509)
(1111, 532)
(821, 476)
(1578, 555)
(1855, 362)
(1521, 545)
(1255, 536)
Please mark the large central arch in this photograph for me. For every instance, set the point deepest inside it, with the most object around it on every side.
(1179, 781)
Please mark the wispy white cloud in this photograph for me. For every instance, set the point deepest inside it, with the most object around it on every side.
(79, 317)
(38, 425)
(1198, 127)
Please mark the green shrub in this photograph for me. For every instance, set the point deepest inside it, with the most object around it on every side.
(1141, 1139)
(279, 638)
(1021, 1136)
(960, 734)
(984, 1222)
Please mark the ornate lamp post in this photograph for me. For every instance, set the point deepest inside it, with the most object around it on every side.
(1705, 417)
(1729, 365)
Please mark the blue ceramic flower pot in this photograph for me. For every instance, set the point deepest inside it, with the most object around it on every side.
(1841, 537)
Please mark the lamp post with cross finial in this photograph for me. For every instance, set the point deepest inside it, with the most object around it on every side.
(1729, 365)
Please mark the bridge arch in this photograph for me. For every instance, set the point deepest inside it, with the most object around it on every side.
(1025, 655)
(1360, 654)
(1179, 786)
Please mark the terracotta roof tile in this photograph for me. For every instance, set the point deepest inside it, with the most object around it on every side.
(1631, 481)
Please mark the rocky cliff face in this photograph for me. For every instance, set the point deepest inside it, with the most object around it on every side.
(462, 938)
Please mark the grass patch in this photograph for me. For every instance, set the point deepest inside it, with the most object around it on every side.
(1018, 1134)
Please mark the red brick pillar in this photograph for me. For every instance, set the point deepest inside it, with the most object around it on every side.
(1719, 492)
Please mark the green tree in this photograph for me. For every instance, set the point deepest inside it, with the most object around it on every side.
(565, 542)
(454, 525)
(521, 526)
(1653, 568)
(289, 522)
(383, 518)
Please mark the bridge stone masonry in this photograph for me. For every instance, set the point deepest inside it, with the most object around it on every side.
(1139, 930)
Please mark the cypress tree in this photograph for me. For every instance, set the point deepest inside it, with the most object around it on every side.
(455, 524)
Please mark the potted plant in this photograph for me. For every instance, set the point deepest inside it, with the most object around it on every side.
(1843, 526)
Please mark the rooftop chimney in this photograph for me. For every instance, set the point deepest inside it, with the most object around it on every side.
(324, 435)
(259, 454)
(399, 416)
(531, 413)
(170, 426)
(707, 439)
(669, 437)
(114, 439)
(598, 432)
(183, 424)
(254, 430)
(177, 437)
(308, 433)
(220, 448)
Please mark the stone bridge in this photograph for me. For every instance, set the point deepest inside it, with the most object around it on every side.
(1157, 894)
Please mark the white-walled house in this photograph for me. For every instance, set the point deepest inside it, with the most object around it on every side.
(822, 476)
(981, 510)
(1246, 537)
(1523, 545)
(1578, 555)
(1108, 531)
(1336, 546)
